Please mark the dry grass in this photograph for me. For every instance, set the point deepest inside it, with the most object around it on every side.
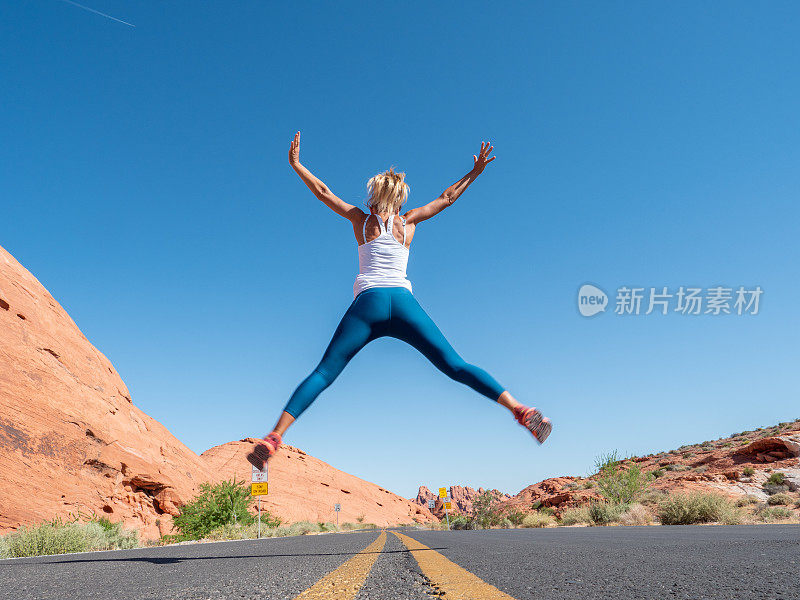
(636, 514)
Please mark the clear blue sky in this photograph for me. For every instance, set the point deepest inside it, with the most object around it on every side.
(145, 183)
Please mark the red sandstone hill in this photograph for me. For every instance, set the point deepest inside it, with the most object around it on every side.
(72, 441)
(714, 466)
(305, 488)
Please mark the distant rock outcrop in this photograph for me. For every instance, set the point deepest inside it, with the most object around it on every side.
(722, 466)
(302, 488)
(462, 499)
(71, 441)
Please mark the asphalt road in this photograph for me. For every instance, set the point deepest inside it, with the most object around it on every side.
(664, 563)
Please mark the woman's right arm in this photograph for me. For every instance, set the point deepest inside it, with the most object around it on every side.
(451, 194)
(319, 189)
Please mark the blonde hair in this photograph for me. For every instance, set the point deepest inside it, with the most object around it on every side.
(387, 192)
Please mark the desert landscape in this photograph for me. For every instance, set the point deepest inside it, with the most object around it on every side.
(73, 442)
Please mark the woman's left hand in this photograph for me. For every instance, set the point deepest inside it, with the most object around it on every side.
(483, 158)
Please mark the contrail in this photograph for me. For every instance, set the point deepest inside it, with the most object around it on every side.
(97, 12)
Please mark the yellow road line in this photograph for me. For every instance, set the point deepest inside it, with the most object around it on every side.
(344, 582)
(455, 582)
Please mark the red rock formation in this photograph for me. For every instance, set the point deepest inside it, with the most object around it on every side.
(70, 439)
(716, 466)
(462, 499)
(305, 488)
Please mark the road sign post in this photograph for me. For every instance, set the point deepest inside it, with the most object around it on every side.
(446, 500)
(259, 486)
(336, 508)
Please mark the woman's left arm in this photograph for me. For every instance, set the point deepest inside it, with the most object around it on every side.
(318, 188)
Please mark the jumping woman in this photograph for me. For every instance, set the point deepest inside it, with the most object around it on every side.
(384, 304)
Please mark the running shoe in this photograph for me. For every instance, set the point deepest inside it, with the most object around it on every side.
(264, 451)
(533, 420)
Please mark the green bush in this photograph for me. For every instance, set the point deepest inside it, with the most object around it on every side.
(225, 503)
(687, 509)
(603, 513)
(57, 537)
(485, 513)
(748, 471)
(515, 516)
(782, 498)
(776, 479)
(657, 473)
(574, 516)
(773, 513)
(460, 522)
(746, 500)
(617, 484)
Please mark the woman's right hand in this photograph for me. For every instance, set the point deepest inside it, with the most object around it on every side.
(294, 150)
(483, 158)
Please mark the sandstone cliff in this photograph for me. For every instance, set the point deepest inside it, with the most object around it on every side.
(70, 439)
(302, 487)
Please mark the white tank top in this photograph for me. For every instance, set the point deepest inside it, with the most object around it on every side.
(383, 261)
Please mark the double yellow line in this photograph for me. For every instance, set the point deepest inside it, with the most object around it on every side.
(451, 581)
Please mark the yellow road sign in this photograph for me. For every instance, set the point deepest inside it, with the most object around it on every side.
(259, 489)
(448, 506)
(442, 492)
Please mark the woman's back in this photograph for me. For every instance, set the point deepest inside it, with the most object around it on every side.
(382, 258)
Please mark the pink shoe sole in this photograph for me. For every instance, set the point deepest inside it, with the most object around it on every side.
(264, 451)
(533, 420)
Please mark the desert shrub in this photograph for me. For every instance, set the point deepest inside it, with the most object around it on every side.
(617, 484)
(515, 516)
(636, 514)
(485, 513)
(460, 522)
(677, 467)
(573, 516)
(747, 500)
(603, 513)
(772, 489)
(781, 498)
(225, 503)
(776, 479)
(588, 484)
(748, 471)
(652, 496)
(353, 526)
(769, 514)
(686, 509)
(657, 473)
(538, 519)
(701, 469)
(506, 524)
(57, 537)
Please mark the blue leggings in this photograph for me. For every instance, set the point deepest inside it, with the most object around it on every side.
(393, 312)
